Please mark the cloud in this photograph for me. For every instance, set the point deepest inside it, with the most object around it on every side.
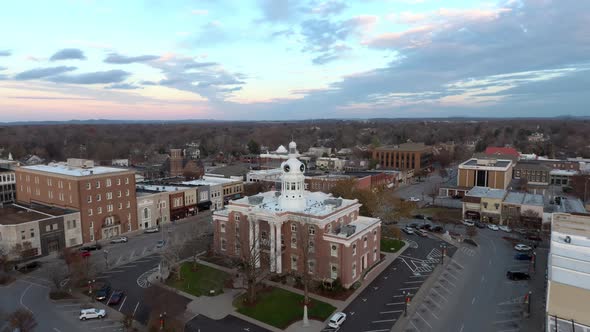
(119, 59)
(100, 77)
(211, 33)
(327, 8)
(68, 54)
(123, 86)
(2, 68)
(42, 72)
(278, 10)
(5, 53)
(200, 12)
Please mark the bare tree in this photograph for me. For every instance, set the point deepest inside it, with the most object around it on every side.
(306, 241)
(432, 190)
(23, 320)
(22, 250)
(388, 207)
(471, 231)
(530, 219)
(171, 256)
(391, 231)
(250, 256)
(55, 274)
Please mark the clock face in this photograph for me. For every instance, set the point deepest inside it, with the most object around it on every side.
(286, 168)
(302, 168)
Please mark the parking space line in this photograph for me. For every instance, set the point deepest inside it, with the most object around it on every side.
(449, 273)
(143, 252)
(402, 295)
(118, 260)
(506, 321)
(417, 313)
(510, 330)
(396, 303)
(127, 265)
(413, 282)
(68, 305)
(459, 265)
(383, 321)
(430, 311)
(382, 330)
(132, 253)
(420, 276)
(113, 271)
(414, 325)
(508, 311)
(409, 288)
(390, 312)
(443, 287)
(439, 294)
(450, 283)
(434, 301)
(124, 299)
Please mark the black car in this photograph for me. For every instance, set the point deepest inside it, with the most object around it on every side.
(438, 229)
(103, 292)
(418, 216)
(479, 224)
(512, 275)
(428, 218)
(117, 296)
(413, 225)
(471, 242)
(523, 257)
(426, 227)
(28, 267)
(91, 247)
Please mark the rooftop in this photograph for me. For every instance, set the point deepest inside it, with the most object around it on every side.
(563, 172)
(514, 197)
(210, 181)
(486, 192)
(355, 227)
(492, 150)
(488, 162)
(405, 147)
(64, 169)
(272, 171)
(14, 214)
(531, 164)
(317, 203)
(160, 188)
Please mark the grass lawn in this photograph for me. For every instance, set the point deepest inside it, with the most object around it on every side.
(391, 245)
(198, 282)
(280, 308)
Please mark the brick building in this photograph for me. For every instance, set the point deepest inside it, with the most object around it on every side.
(405, 156)
(287, 226)
(485, 172)
(104, 196)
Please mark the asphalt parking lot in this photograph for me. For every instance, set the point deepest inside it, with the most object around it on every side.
(379, 305)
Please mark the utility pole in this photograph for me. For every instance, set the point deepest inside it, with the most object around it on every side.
(106, 258)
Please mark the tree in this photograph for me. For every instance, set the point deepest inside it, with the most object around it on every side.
(171, 257)
(159, 301)
(23, 320)
(530, 219)
(307, 243)
(253, 188)
(22, 250)
(391, 231)
(432, 190)
(443, 158)
(55, 274)
(471, 231)
(253, 147)
(388, 207)
(446, 217)
(250, 256)
(3, 260)
(581, 186)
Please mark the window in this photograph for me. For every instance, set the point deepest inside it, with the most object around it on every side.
(293, 228)
(49, 182)
(263, 235)
(108, 182)
(50, 194)
(237, 230)
(365, 240)
(22, 235)
(73, 242)
(329, 228)
(222, 226)
(98, 198)
(126, 180)
(109, 195)
(237, 217)
(223, 244)
(128, 227)
(334, 250)
(354, 270)
(47, 228)
(496, 205)
(375, 235)
(60, 184)
(97, 184)
(127, 192)
(310, 266)
(354, 249)
(120, 205)
(294, 242)
(294, 263)
(99, 210)
(73, 223)
(118, 182)
(91, 236)
(333, 271)
(109, 207)
(311, 246)
(375, 255)
(32, 232)
(237, 249)
(311, 230)
(90, 212)
(61, 196)
(485, 205)
(119, 193)
(87, 185)
(128, 204)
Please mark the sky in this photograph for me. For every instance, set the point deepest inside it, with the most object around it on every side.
(289, 60)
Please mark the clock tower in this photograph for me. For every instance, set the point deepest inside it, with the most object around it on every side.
(292, 182)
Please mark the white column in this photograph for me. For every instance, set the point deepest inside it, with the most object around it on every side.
(278, 248)
(272, 246)
(251, 232)
(257, 242)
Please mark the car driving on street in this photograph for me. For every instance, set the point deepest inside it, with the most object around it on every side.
(468, 222)
(92, 313)
(513, 275)
(151, 230)
(522, 247)
(122, 239)
(336, 320)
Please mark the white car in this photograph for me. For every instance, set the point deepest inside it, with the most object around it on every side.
(408, 230)
(505, 229)
(414, 199)
(468, 222)
(122, 239)
(522, 247)
(151, 230)
(493, 227)
(336, 320)
(92, 313)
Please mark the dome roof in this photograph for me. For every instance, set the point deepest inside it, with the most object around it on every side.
(281, 149)
(293, 166)
(292, 145)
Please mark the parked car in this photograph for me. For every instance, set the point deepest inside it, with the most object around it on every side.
(413, 225)
(91, 247)
(92, 313)
(421, 232)
(468, 222)
(428, 218)
(122, 239)
(438, 229)
(479, 224)
(336, 320)
(414, 199)
(85, 254)
(152, 230)
(29, 266)
(103, 292)
(493, 227)
(408, 230)
(117, 296)
(522, 247)
(523, 257)
(505, 229)
(512, 275)
(418, 216)
(520, 231)
(160, 244)
(534, 237)
(426, 227)
(471, 242)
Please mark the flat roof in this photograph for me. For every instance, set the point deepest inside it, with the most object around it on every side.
(486, 192)
(161, 188)
(563, 172)
(420, 147)
(514, 197)
(14, 214)
(63, 169)
(500, 163)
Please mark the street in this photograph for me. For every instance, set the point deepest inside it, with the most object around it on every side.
(382, 302)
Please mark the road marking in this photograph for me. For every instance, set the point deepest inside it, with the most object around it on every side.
(417, 313)
(508, 311)
(396, 303)
(113, 271)
(449, 273)
(462, 326)
(420, 276)
(383, 321)
(134, 310)
(443, 287)
(143, 252)
(506, 321)
(124, 299)
(459, 265)
(408, 288)
(510, 330)
(490, 262)
(109, 300)
(118, 260)
(413, 282)
(382, 330)
(482, 278)
(439, 294)
(473, 301)
(399, 295)
(430, 311)
(22, 296)
(127, 265)
(390, 312)
(434, 301)
(56, 329)
(132, 253)
(447, 280)
(68, 305)
(414, 325)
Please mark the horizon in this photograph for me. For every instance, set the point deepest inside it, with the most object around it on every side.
(284, 60)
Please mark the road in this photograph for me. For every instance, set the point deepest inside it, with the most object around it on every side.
(201, 323)
(421, 189)
(491, 303)
(382, 302)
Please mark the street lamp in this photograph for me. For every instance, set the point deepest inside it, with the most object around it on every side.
(443, 249)
(162, 320)
(106, 258)
(407, 299)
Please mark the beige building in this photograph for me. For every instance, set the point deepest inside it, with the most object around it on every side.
(104, 196)
(485, 172)
(152, 208)
(519, 208)
(568, 285)
(485, 204)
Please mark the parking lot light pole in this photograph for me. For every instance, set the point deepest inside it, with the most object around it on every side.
(405, 303)
(442, 253)
(106, 258)
(529, 304)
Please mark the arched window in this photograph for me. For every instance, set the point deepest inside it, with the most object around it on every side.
(146, 213)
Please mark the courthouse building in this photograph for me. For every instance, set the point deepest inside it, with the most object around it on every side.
(285, 227)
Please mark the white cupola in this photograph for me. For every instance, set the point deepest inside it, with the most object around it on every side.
(292, 182)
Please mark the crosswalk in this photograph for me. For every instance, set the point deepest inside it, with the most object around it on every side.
(467, 251)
